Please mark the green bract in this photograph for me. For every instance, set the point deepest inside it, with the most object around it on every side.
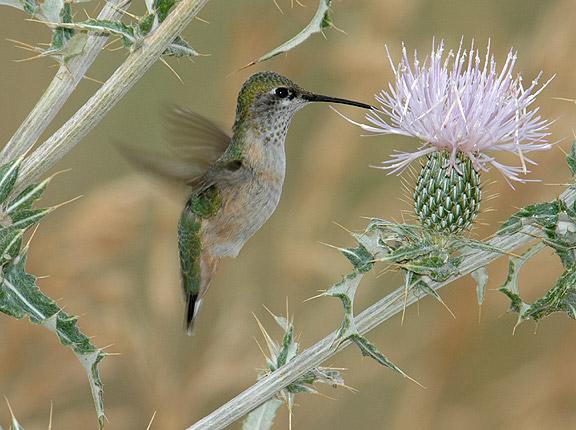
(447, 198)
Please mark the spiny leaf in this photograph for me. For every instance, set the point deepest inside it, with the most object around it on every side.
(371, 241)
(407, 252)
(180, 48)
(480, 275)
(61, 35)
(28, 197)
(163, 7)
(438, 265)
(475, 245)
(560, 298)
(345, 290)
(562, 239)
(262, 418)
(146, 23)
(105, 27)
(10, 242)
(418, 282)
(544, 215)
(25, 218)
(369, 350)
(50, 10)
(20, 297)
(8, 176)
(133, 34)
(289, 347)
(319, 22)
(279, 356)
(516, 303)
(71, 48)
(510, 287)
(360, 257)
(324, 375)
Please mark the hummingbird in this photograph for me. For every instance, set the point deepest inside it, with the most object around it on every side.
(236, 180)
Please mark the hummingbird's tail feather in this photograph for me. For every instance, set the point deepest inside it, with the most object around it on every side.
(193, 304)
(194, 295)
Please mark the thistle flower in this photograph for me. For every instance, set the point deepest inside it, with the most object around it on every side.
(462, 108)
(460, 103)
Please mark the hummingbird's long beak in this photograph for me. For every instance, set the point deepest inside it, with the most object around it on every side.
(327, 99)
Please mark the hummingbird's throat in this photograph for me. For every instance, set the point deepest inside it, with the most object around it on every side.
(273, 128)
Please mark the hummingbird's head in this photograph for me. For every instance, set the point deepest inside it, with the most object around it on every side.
(271, 99)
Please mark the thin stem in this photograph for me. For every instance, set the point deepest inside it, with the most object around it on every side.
(61, 87)
(89, 115)
(376, 314)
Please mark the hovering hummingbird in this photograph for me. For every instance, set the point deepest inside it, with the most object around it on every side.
(236, 181)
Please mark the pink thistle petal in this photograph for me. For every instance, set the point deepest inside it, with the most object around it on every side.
(460, 103)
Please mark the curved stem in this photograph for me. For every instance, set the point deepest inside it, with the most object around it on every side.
(65, 81)
(375, 315)
(92, 112)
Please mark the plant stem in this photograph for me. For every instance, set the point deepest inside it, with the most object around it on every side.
(89, 115)
(376, 314)
(61, 87)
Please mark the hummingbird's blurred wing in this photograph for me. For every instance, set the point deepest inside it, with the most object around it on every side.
(194, 144)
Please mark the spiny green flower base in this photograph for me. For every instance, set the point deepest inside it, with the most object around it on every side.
(447, 199)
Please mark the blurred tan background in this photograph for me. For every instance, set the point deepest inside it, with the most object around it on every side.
(111, 257)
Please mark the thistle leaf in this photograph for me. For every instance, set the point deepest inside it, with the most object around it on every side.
(180, 48)
(289, 348)
(360, 257)
(371, 241)
(104, 27)
(21, 297)
(50, 10)
(544, 215)
(28, 197)
(511, 288)
(516, 263)
(560, 298)
(162, 8)
(320, 21)
(480, 275)
(369, 350)
(262, 418)
(28, 217)
(418, 282)
(407, 252)
(10, 242)
(72, 47)
(345, 290)
(8, 176)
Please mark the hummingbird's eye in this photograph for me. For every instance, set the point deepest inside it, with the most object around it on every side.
(282, 92)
